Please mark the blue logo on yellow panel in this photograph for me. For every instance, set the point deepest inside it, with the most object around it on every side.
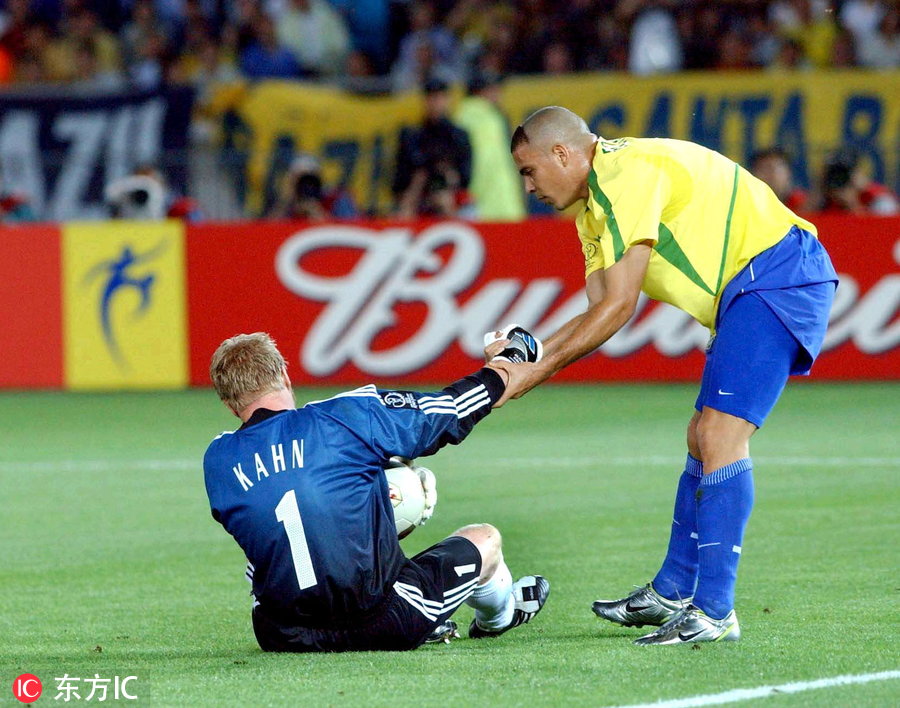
(119, 275)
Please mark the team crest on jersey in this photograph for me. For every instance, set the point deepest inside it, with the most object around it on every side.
(590, 252)
(607, 146)
(399, 399)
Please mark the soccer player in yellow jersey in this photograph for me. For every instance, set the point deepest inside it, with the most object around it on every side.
(689, 227)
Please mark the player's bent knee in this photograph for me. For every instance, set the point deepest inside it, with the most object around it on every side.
(693, 438)
(489, 543)
(723, 437)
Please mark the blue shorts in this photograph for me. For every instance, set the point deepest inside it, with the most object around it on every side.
(748, 361)
(771, 324)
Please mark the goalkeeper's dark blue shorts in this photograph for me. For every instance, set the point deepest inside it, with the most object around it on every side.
(430, 588)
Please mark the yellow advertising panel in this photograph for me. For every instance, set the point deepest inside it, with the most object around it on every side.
(124, 305)
(808, 114)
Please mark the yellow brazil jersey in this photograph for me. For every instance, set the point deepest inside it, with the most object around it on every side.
(707, 216)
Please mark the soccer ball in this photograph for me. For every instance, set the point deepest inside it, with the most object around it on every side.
(407, 496)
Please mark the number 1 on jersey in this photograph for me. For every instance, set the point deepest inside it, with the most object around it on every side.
(288, 514)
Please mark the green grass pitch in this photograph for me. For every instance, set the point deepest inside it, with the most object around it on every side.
(113, 566)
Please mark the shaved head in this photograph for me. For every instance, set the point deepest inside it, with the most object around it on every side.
(550, 126)
(553, 150)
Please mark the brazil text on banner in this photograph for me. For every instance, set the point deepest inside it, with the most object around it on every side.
(30, 307)
(409, 303)
(60, 149)
(809, 114)
(124, 305)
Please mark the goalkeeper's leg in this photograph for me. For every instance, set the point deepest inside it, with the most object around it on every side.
(492, 598)
(499, 603)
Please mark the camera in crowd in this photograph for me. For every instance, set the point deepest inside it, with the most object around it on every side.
(302, 195)
(136, 197)
(308, 186)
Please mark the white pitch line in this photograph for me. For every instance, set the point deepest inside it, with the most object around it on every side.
(675, 461)
(102, 465)
(623, 461)
(746, 694)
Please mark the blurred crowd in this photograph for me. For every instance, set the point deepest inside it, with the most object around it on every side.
(456, 161)
(397, 45)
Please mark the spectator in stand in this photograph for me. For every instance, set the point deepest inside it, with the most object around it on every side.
(265, 57)
(764, 42)
(149, 66)
(496, 54)
(495, 185)
(239, 31)
(412, 75)
(79, 28)
(735, 51)
(142, 25)
(16, 18)
(368, 22)
(474, 23)
(428, 51)
(848, 187)
(557, 59)
(790, 57)
(88, 76)
(29, 70)
(533, 32)
(607, 52)
(772, 167)
(434, 161)
(302, 195)
(700, 28)
(207, 68)
(809, 22)
(862, 17)
(360, 77)
(843, 52)
(882, 49)
(36, 60)
(316, 34)
(655, 45)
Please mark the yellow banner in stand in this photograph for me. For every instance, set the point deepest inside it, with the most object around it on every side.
(809, 114)
(124, 305)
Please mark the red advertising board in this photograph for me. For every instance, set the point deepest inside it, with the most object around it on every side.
(353, 303)
(30, 308)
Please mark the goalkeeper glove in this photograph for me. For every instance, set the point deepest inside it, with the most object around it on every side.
(523, 346)
(429, 483)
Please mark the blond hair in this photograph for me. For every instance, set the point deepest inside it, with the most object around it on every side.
(246, 367)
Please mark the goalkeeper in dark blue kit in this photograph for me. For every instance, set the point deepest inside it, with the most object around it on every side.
(303, 492)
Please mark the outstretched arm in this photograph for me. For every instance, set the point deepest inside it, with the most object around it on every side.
(612, 297)
(412, 423)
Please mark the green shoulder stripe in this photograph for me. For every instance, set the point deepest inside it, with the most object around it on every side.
(606, 205)
(669, 249)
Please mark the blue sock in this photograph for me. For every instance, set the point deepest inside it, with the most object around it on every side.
(724, 502)
(678, 575)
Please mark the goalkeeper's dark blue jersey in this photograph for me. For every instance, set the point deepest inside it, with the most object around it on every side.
(304, 493)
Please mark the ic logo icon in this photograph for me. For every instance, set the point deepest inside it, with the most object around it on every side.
(27, 688)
